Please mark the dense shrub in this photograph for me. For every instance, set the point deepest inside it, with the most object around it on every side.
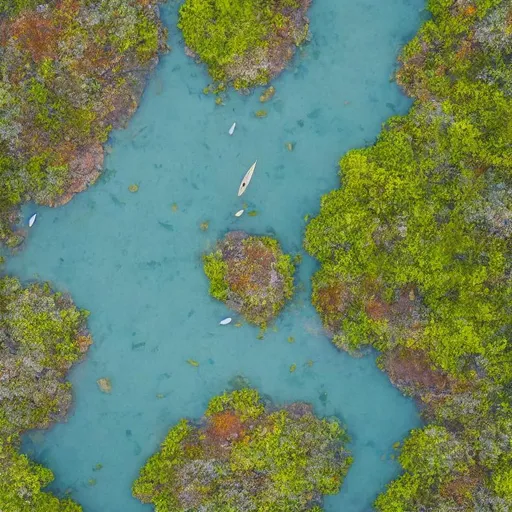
(244, 43)
(245, 456)
(41, 335)
(251, 275)
(70, 71)
(416, 256)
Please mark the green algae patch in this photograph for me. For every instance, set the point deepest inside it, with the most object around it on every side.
(243, 43)
(251, 275)
(42, 334)
(244, 455)
(70, 72)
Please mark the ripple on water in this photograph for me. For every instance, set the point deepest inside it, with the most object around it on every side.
(134, 260)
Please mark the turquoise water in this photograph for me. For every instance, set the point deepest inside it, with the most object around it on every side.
(136, 264)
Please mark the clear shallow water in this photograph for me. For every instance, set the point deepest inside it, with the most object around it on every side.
(136, 264)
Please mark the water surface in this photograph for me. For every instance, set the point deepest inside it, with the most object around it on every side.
(136, 264)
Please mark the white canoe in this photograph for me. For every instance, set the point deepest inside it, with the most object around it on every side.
(232, 129)
(226, 321)
(32, 220)
(247, 179)
(239, 213)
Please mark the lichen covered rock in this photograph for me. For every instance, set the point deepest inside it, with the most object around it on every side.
(244, 43)
(246, 456)
(251, 275)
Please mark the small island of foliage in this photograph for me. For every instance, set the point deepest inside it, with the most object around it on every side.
(251, 275)
(416, 258)
(42, 334)
(246, 456)
(70, 71)
(244, 43)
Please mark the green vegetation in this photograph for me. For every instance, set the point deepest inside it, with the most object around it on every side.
(246, 456)
(416, 258)
(244, 43)
(41, 335)
(251, 275)
(70, 71)
(21, 482)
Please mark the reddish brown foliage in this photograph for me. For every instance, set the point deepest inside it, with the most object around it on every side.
(84, 342)
(412, 370)
(332, 301)
(377, 309)
(470, 10)
(261, 259)
(225, 425)
(466, 48)
(36, 34)
(461, 488)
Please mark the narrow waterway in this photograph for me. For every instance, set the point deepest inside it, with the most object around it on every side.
(134, 260)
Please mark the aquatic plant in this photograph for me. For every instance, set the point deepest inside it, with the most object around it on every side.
(42, 334)
(245, 455)
(70, 71)
(416, 258)
(268, 94)
(244, 43)
(251, 275)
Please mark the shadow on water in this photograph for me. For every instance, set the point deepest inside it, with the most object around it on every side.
(134, 259)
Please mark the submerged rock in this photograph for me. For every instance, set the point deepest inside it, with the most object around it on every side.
(251, 275)
(105, 385)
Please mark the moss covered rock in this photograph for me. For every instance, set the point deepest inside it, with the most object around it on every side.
(70, 71)
(244, 43)
(251, 275)
(246, 456)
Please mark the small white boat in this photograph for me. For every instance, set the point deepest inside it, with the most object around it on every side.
(226, 321)
(239, 213)
(32, 220)
(247, 179)
(232, 129)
